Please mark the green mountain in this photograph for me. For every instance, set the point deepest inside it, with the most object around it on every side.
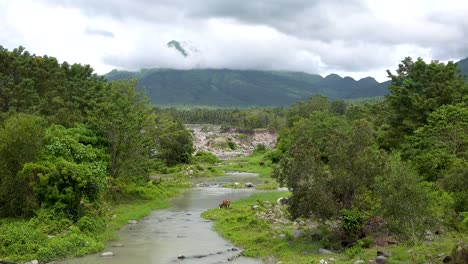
(463, 66)
(224, 87)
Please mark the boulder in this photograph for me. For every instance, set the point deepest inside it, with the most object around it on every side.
(325, 251)
(381, 260)
(248, 185)
(107, 254)
(132, 222)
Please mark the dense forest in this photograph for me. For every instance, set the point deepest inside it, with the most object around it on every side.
(71, 145)
(241, 88)
(400, 164)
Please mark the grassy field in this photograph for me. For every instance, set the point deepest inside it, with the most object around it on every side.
(255, 163)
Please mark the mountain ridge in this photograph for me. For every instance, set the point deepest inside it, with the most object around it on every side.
(227, 87)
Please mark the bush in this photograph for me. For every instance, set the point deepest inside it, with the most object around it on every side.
(91, 225)
(50, 222)
(260, 148)
(206, 157)
(352, 222)
(20, 241)
(275, 156)
(232, 145)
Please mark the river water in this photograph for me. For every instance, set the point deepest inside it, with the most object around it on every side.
(179, 230)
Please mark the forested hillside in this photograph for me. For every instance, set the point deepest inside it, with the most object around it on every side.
(223, 87)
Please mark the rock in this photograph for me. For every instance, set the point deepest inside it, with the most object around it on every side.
(118, 245)
(381, 260)
(325, 251)
(359, 261)
(297, 233)
(282, 200)
(50, 236)
(248, 185)
(331, 260)
(282, 235)
(35, 261)
(322, 261)
(181, 257)
(132, 222)
(447, 259)
(316, 236)
(255, 207)
(234, 249)
(107, 254)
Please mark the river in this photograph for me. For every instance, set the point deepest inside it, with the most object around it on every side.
(179, 230)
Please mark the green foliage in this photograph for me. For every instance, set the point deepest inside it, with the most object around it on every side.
(50, 222)
(173, 142)
(440, 145)
(329, 163)
(231, 144)
(260, 148)
(91, 225)
(72, 168)
(19, 241)
(21, 140)
(205, 157)
(352, 222)
(406, 201)
(417, 90)
(126, 121)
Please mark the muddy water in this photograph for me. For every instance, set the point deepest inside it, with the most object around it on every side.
(165, 234)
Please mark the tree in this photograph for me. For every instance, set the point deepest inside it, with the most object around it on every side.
(125, 119)
(406, 201)
(21, 140)
(173, 142)
(417, 90)
(440, 145)
(72, 168)
(328, 162)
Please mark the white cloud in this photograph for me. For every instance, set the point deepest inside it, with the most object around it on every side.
(355, 38)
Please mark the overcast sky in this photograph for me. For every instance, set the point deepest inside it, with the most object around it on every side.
(349, 37)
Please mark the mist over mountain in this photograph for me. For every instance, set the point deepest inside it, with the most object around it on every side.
(226, 87)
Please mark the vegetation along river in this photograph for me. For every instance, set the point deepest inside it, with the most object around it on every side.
(179, 230)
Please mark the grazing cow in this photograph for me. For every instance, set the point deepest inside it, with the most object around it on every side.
(225, 204)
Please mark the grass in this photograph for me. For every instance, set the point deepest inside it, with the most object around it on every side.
(49, 236)
(255, 163)
(263, 238)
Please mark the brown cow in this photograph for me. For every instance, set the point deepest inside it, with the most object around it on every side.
(225, 204)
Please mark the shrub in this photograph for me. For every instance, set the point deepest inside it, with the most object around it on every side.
(206, 157)
(260, 148)
(20, 241)
(232, 145)
(91, 225)
(352, 222)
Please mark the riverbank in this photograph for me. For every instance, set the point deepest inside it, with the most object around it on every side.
(47, 237)
(260, 226)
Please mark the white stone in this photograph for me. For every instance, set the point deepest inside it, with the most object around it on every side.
(107, 254)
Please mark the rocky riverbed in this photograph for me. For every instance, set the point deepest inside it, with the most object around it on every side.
(213, 138)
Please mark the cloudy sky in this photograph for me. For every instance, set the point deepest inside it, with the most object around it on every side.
(349, 37)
